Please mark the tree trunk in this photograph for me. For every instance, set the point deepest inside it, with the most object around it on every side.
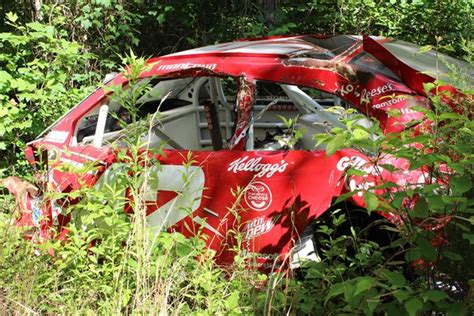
(269, 8)
(37, 15)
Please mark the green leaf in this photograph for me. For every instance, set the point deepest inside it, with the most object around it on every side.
(401, 295)
(436, 202)
(451, 115)
(469, 237)
(434, 296)
(421, 209)
(86, 24)
(451, 255)
(336, 289)
(413, 306)
(371, 201)
(360, 134)
(363, 284)
(413, 254)
(232, 302)
(335, 143)
(427, 250)
(396, 278)
(345, 196)
(5, 76)
(388, 167)
(12, 17)
(461, 184)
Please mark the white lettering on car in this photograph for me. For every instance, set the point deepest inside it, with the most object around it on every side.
(257, 227)
(258, 196)
(364, 95)
(361, 164)
(255, 165)
(186, 66)
(387, 103)
(361, 187)
(357, 163)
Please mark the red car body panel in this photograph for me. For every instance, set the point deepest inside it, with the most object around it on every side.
(281, 191)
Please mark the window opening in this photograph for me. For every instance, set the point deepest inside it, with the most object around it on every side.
(196, 114)
(310, 111)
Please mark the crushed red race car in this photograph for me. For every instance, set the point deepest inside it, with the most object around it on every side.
(223, 108)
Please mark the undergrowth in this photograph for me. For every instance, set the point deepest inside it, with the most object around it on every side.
(113, 262)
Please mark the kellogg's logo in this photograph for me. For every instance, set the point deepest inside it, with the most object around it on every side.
(255, 165)
(258, 196)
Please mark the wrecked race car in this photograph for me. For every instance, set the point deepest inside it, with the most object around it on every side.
(223, 108)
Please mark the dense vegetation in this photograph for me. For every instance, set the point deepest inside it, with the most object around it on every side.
(52, 53)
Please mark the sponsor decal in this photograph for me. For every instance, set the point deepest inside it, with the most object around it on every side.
(186, 66)
(257, 227)
(364, 95)
(255, 165)
(360, 187)
(388, 103)
(53, 155)
(263, 260)
(408, 111)
(361, 164)
(36, 213)
(258, 196)
(260, 255)
(357, 163)
(57, 136)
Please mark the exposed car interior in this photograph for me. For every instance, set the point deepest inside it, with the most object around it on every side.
(199, 114)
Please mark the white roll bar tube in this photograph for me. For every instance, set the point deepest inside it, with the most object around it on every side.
(100, 127)
(299, 97)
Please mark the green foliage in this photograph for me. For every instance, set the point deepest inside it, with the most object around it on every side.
(105, 28)
(112, 261)
(435, 230)
(38, 82)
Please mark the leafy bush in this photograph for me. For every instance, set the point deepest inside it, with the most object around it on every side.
(112, 261)
(431, 271)
(38, 81)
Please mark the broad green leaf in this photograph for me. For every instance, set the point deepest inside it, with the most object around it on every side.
(360, 134)
(434, 296)
(427, 250)
(363, 284)
(421, 208)
(335, 143)
(371, 201)
(461, 184)
(5, 76)
(413, 306)
(396, 278)
(336, 289)
(401, 295)
(232, 302)
(436, 202)
(412, 255)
